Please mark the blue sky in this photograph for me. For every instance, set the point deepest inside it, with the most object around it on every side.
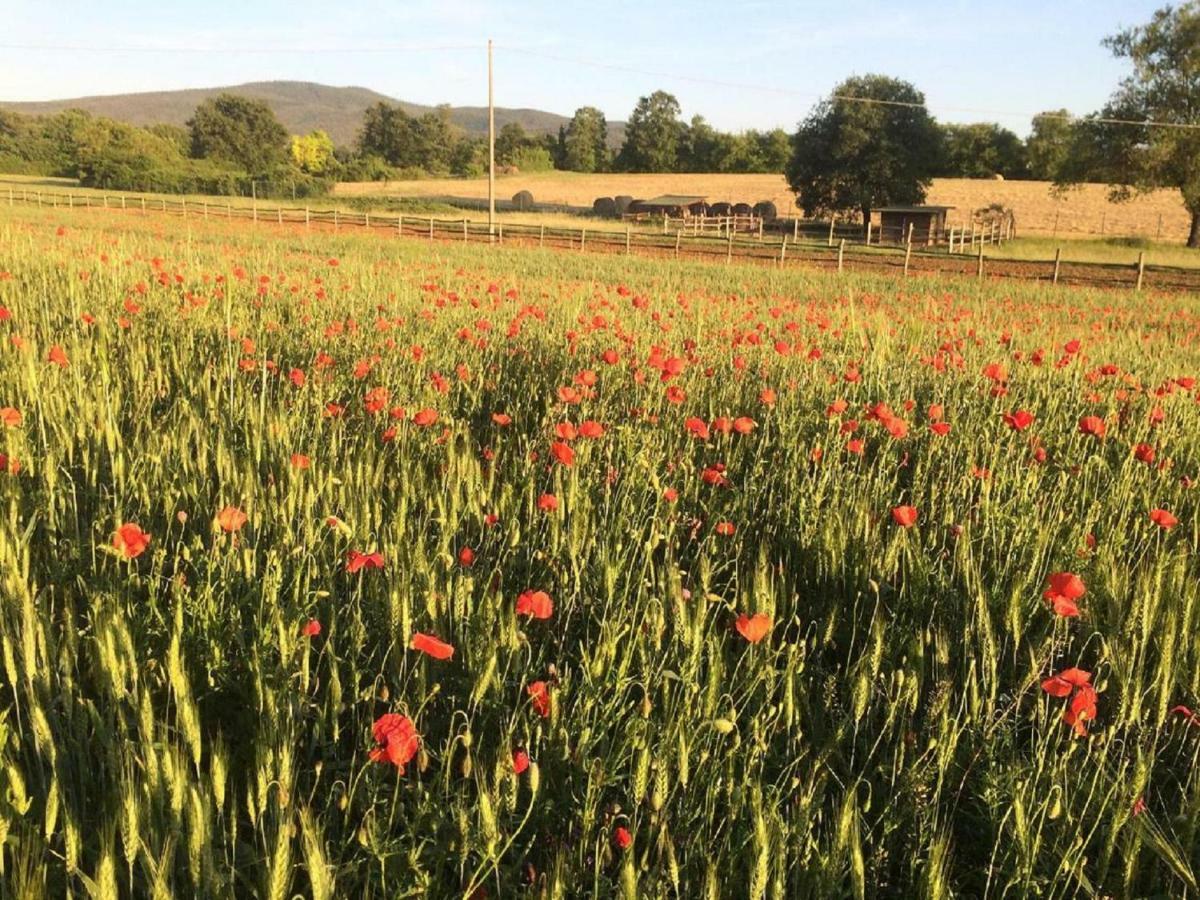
(996, 62)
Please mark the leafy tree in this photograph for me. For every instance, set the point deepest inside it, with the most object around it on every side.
(511, 140)
(982, 150)
(239, 130)
(1164, 87)
(652, 136)
(389, 133)
(1049, 144)
(436, 137)
(699, 147)
(585, 141)
(313, 152)
(852, 155)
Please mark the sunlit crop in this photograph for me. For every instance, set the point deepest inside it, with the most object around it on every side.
(344, 566)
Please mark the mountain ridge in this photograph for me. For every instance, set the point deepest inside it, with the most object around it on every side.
(302, 106)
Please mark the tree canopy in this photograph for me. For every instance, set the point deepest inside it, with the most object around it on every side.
(854, 155)
(239, 130)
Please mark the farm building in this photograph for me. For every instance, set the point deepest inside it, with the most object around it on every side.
(675, 205)
(927, 223)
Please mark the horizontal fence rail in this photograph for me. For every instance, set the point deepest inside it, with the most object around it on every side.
(955, 251)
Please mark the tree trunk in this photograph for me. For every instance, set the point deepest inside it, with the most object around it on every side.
(1194, 235)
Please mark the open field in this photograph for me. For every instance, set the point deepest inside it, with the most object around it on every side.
(342, 565)
(1080, 212)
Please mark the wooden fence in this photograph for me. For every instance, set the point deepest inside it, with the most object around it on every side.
(779, 250)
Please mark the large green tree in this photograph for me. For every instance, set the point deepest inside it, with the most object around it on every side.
(389, 133)
(981, 150)
(1049, 144)
(652, 136)
(872, 143)
(239, 130)
(1163, 88)
(585, 141)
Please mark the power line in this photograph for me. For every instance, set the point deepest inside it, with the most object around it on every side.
(248, 51)
(849, 98)
(575, 60)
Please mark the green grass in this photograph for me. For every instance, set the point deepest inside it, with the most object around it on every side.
(1119, 251)
(167, 730)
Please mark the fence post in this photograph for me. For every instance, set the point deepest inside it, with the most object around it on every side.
(39, 196)
(795, 229)
(951, 241)
(182, 205)
(628, 235)
(908, 250)
(431, 228)
(542, 236)
(760, 229)
(841, 252)
(868, 234)
(1156, 237)
(279, 215)
(582, 237)
(831, 231)
(228, 209)
(678, 239)
(1057, 262)
(366, 220)
(979, 267)
(122, 201)
(164, 204)
(1141, 269)
(910, 234)
(464, 229)
(783, 251)
(143, 206)
(729, 247)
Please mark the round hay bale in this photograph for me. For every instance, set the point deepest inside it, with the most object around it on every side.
(604, 207)
(523, 200)
(720, 209)
(636, 206)
(766, 210)
(622, 202)
(742, 209)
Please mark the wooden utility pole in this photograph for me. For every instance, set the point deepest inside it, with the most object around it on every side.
(491, 152)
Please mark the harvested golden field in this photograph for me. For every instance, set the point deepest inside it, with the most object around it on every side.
(1084, 211)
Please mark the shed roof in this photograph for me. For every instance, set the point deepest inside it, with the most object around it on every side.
(911, 209)
(674, 200)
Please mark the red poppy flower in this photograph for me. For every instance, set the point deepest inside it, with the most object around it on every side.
(356, 561)
(547, 503)
(563, 453)
(753, 628)
(670, 495)
(520, 761)
(590, 429)
(1093, 425)
(58, 356)
(1063, 589)
(296, 377)
(1163, 519)
(622, 838)
(1144, 453)
(1019, 420)
(230, 519)
(744, 424)
(130, 540)
(905, 516)
(1081, 710)
(300, 461)
(536, 604)
(466, 557)
(725, 529)
(432, 646)
(397, 740)
(311, 628)
(566, 431)
(539, 697)
(697, 427)
(425, 417)
(1064, 682)
(855, 446)
(502, 419)
(940, 428)
(10, 416)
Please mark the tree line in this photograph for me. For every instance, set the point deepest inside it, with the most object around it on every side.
(873, 143)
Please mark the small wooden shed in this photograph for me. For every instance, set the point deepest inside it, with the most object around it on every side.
(675, 205)
(927, 223)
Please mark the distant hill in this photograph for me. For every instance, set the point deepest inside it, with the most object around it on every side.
(300, 105)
